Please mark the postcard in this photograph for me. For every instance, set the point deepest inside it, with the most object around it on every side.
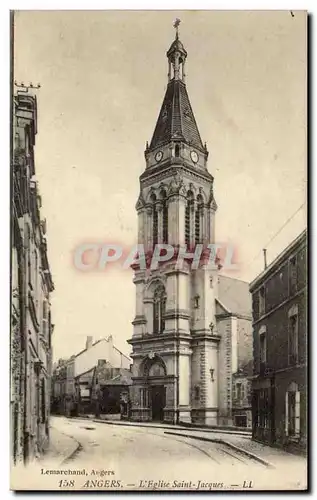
(158, 250)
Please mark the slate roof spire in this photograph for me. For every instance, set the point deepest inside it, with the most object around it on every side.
(176, 119)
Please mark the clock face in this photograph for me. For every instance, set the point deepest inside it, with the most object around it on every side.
(159, 156)
(194, 156)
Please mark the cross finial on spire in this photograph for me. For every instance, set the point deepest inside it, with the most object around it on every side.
(176, 24)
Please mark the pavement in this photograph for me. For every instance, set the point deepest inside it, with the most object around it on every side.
(62, 447)
(89, 455)
(241, 441)
(159, 425)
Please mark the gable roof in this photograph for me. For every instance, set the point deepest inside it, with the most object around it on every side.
(234, 296)
(123, 378)
(93, 345)
(86, 372)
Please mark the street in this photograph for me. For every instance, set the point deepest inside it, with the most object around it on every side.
(122, 457)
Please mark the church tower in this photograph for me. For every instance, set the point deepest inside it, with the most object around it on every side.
(175, 342)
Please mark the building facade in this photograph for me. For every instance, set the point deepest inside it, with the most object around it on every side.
(73, 379)
(110, 389)
(242, 396)
(279, 400)
(234, 324)
(185, 337)
(31, 285)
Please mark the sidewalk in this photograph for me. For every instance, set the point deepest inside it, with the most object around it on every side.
(60, 448)
(272, 457)
(171, 427)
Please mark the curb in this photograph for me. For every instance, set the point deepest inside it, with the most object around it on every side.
(169, 427)
(227, 443)
(73, 453)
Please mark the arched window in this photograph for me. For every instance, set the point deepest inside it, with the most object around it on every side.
(198, 215)
(155, 218)
(190, 199)
(165, 216)
(156, 370)
(177, 150)
(159, 306)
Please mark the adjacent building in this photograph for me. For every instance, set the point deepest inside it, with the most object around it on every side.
(242, 396)
(110, 389)
(193, 327)
(31, 285)
(279, 400)
(75, 379)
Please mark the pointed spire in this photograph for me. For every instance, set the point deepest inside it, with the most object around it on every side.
(176, 121)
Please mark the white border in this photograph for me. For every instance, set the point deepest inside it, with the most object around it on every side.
(308, 5)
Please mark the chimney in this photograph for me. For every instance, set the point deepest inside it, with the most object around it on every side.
(264, 254)
(89, 342)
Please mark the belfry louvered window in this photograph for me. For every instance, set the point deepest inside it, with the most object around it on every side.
(155, 221)
(165, 217)
(189, 203)
(187, 224)
(198, 217)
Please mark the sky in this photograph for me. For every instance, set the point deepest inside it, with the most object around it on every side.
(103, 76)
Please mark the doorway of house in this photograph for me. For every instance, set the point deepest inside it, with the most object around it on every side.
(158, 402)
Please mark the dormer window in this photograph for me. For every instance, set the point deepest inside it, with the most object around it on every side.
(177, 151)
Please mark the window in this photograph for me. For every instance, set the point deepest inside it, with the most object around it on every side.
(197, 226)
(45, 319)
(263, 347)
(35, 275)
(165, 217)
(292, 411)
(239, 390)
(190, 199)
(155, 221)
(264, 409)
(293, 275)
(156, 370)
(159, 306)
(196, 392)
(196, 301)
(262, 300)
(144, 397)
(198, 217)
(187, 224)
(43, 402)
(177, 151)
(293, 339)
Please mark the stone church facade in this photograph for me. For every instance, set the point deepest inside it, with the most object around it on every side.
(184, 337)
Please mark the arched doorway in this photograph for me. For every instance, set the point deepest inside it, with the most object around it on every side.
(157, 392)
(155, 372)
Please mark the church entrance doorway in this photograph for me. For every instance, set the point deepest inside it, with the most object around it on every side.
(158, 402)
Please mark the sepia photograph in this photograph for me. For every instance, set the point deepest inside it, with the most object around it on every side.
(158, 249)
